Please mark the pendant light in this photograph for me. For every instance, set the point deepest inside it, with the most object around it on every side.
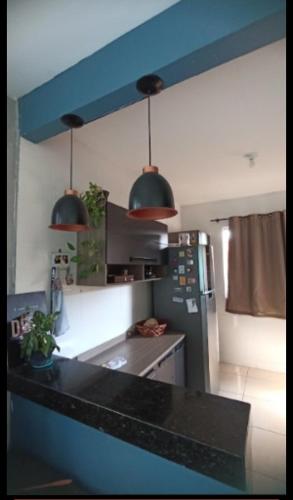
(151, 195)
(69, 212)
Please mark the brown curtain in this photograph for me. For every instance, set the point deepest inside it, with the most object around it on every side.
(257, 265)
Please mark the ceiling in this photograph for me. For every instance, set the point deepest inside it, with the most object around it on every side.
(201, 128)
(36, 29)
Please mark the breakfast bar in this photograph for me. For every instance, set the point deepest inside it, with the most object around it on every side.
(202, 433)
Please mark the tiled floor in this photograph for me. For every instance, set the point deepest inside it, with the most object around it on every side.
(266, 450)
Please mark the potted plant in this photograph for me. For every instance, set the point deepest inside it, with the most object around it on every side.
(38, 344)
(90, 250)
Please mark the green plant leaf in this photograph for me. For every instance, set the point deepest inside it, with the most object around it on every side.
(70, 246)
(76, 259)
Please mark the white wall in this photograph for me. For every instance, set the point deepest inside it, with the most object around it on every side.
(99, 315)
(94, 317)
(244, 340)
(42, 178)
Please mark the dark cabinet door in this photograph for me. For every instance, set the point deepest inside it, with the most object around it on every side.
(131, 241)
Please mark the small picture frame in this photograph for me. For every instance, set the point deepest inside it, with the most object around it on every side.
(60, 260)
(184, 239)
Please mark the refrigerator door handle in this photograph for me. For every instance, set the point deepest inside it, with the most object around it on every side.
(207, 292)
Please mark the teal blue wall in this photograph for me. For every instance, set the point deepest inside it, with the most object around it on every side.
(98, 461)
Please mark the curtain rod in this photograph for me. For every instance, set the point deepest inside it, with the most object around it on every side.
(241, 216)
(217, 220)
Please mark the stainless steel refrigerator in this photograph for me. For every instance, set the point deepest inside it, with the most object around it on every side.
(186, 299)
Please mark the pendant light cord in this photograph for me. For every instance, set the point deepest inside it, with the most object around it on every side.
(71, 141)
(149, 128)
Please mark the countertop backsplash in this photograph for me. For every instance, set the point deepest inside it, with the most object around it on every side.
(103, 314)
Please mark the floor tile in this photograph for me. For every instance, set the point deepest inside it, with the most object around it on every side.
(264, 485)
(267, 415)
(267, 375)
(265, 389)
(229, 368)
(231, 382)
(266, 453)
(230, 395)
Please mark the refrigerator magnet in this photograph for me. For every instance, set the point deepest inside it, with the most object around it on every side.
(189, 262)
(182, 280)
(191, 281)
(181, 269)
(177, 289)
(181, 253)
(188, 289)
(192, 238)
(177, 299)
(175, 277)
(191, 306)
(184, 239)
(189, 253)
(188, 269)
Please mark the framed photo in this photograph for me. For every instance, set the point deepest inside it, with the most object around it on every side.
(184, 239)
(60, 260)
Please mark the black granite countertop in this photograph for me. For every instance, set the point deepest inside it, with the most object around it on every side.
(203, 432)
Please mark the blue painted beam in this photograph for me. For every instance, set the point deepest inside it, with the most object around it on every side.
(187, 39)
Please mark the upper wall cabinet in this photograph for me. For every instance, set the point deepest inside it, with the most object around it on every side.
(132, 241)
(121, 249)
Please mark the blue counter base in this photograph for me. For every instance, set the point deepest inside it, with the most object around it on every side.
(99, 462)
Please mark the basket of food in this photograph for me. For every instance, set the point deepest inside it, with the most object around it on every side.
(151, 327)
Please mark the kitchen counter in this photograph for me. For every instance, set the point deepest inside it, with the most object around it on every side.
(141, 353)
(203, 432)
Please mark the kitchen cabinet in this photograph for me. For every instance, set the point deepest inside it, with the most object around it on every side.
(123, 247)
(180, 365)
(157, 358)
(152, 375)
(166, 369)
(171, 368)
(132, 241)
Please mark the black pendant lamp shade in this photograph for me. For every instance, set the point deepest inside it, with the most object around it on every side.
(69, 212)
(151, 195)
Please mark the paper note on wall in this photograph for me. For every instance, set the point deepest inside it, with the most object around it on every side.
(191, 306)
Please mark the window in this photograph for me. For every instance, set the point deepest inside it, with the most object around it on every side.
(225, 245)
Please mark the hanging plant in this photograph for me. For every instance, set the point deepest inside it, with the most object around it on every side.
(88, 260)
(95, 201)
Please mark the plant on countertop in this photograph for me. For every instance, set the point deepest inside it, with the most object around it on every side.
(39, 339)
(88, 260)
